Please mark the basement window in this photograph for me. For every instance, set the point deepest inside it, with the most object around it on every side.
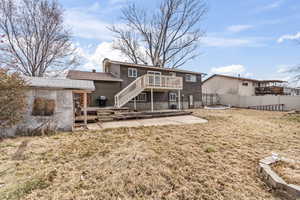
(132, 72)
(141, 97)
(172, 97)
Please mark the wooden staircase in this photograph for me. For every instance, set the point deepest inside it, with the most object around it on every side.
(147, 82)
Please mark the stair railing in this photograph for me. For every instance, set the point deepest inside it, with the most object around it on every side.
(147, 81)
(130, 92)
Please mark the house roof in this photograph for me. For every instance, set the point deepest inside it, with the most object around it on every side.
(43, 82)
(107, 61)
(93, 76)
(243, 79)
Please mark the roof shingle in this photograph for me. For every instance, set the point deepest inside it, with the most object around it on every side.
(42, 82)
(94, 76)
(108, 61)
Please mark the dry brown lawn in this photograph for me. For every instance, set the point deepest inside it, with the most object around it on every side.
(216, 160)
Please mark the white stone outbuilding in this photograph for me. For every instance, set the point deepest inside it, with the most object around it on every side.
(59, 114)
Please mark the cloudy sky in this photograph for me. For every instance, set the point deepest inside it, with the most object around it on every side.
(254, 38)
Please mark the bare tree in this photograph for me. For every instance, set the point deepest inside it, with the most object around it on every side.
(170, 37)
(34, 38)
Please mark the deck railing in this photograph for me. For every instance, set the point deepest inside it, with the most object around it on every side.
(275, 90)
(163, 82)
(148, 81)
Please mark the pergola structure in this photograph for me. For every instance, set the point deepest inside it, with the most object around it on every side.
(84, 94)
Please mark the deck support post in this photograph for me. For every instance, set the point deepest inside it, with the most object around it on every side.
(179, 100)
(134, 103)
(152, 109)
(85, 108)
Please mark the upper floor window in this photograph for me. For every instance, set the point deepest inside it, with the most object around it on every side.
(190, 78)
(245, 84)
(173, 74)
(132, 72)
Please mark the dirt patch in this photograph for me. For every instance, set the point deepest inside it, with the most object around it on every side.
(289, 171)
(212, 161)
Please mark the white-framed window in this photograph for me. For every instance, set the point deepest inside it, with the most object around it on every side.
(190, 78)
(172, 96)
(132, 72)
(141, 97)
(155, 79)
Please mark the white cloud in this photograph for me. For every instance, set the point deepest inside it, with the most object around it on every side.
(94, 7)
(289, 37)
(117, 1)
(271, 6)
(86, 25)
(93, 59)
(213, 41)
(284, 68)
(229, 70)
(239, 28)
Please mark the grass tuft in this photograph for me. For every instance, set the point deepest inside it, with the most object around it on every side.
(25, 188)
(210, 150)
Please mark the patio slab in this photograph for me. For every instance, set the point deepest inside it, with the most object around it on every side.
(178, 120)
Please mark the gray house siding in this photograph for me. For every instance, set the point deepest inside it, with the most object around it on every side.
(161, 99)
(105, 88)
(114, 69)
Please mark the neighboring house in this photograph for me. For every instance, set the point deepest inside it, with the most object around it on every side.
(223, 84)
(50, 105)
(143, 87)
(292, 91)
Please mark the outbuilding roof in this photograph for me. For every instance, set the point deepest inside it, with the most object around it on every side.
(93, 76)
(42, 82)
(107, 61)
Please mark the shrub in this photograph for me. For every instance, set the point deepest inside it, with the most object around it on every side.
(210, 150)
(12, 98)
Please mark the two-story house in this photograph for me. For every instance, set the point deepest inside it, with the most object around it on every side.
(142, 87)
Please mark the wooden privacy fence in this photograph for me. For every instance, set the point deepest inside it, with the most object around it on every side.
(210, 99)
(274, 107)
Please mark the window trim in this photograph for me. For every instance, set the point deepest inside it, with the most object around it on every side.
(132, 75)
(156, 73)
(173, 94)
(190, 80)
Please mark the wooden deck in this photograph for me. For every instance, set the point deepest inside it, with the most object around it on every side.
(107, 115)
